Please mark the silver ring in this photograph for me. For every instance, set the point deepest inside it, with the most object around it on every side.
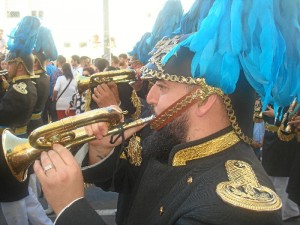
(48, 167)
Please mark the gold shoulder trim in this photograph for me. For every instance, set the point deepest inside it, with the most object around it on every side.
(205, 149)
(22, 77)
(21, 88)
(243, 190)
(35, 76)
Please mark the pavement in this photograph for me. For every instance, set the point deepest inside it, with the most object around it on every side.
(105, 204)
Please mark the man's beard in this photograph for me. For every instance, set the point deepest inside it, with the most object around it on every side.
(160, 143)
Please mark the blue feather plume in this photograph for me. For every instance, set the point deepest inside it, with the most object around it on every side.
(141, 49)
(261, 38)
(45, 44)
(190, 20)
(22, 38)
(166, 22)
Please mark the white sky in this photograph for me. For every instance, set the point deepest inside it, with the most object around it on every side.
(77, 21)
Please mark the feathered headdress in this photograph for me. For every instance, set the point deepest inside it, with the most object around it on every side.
(192, 19)
(45, 44)
(259, 38)
(21, 42)
(166, 22)
(44, 48)
(23, 37)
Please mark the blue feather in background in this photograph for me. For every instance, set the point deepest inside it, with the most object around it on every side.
(190, 20)
(45, 44)
(22, 38)
(167, 21)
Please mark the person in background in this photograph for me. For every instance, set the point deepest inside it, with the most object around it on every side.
(64, 89)
(19, 204)
(278, 157)
(78, 99)
(115, 61)
(258, 130)
(76, 66)
(3, 45)
(123, 61)
(100, 64)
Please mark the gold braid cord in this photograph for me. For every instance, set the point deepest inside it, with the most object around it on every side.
(88, 100)
(134, 148)
(233, 121)
(137, 105)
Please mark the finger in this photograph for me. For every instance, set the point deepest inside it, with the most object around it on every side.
(106, 88)
(61, 156)
(99, 130)
(46, 163)
(39, 171)
(96, 91)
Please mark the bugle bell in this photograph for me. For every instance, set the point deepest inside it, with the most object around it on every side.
(20, 153)
(115, 76)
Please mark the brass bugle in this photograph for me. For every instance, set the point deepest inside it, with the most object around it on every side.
(115, 76)
(20, 153)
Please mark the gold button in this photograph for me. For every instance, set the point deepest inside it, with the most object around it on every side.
(189, 180)
(161, 210)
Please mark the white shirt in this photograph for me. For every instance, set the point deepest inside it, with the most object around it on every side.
(60, 85)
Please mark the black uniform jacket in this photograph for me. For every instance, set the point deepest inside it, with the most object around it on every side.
(277, 156)
(215, 180)
(16, 107)
(42, 83)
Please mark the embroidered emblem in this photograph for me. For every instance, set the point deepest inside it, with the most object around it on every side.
(21, 88)
(243, 190)
(133, 152)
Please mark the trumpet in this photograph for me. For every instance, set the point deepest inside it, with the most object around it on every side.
(4, 82)
(20, 153)
(257, 115)
(116, 76)
(286, 130)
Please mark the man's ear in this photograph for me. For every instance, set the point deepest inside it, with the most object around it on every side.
(203, 108)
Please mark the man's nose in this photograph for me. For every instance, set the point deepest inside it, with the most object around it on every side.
(152, 96)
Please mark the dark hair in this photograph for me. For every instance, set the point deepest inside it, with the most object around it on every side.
(123, 55)
(101, 64)
(115, 59)
(66, 68)
(76, 58)
(89, 69)
(61, 59)
(110, 68)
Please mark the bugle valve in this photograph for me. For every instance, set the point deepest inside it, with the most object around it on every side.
(115, 76)
(20, 153)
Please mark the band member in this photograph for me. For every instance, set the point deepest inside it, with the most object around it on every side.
(45, 49)
(18, 203)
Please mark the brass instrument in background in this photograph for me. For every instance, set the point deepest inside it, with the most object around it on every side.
(116, 76)
(20, 153)
(3, 72)
(286, 131)
(4, 82)
(258, 115)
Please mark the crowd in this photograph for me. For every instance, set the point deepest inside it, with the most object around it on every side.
(223, 147)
